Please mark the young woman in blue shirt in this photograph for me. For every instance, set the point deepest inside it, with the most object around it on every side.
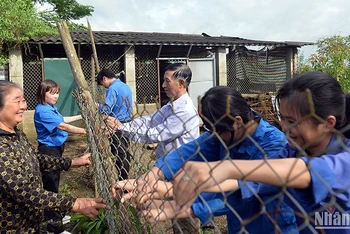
(314, 172)
(52, 131)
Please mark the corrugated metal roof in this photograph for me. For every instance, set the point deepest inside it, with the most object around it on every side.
(143, 38)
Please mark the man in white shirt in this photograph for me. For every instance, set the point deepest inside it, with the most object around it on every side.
(173, 125)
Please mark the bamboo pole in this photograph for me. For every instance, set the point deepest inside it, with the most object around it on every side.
(92, 113)
(93, 47)
(93, 79)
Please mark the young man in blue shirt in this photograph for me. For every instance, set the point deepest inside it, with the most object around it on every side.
(118, 104)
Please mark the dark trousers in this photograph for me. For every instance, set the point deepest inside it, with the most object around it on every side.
(51, 179)
(119, 148)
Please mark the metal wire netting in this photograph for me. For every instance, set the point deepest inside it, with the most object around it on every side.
(128, 218)
(122, 218)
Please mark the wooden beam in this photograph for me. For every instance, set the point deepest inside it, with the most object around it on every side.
(92, 117)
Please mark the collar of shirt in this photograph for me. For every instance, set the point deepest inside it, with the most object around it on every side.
(248, 146)
(49, 107)
(6, 133)
(117, 80)
(53, 108)
(180, 102)
(337, 144)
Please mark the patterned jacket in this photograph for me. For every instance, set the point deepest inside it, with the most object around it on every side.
(22, 197)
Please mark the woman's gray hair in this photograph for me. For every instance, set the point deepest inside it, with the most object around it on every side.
(5, 88)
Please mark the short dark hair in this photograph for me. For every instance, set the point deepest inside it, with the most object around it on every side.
(104, 72)
(44, 87)
(5, 88)
(219, 106)
(181, 71)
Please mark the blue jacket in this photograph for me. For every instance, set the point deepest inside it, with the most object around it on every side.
(242, 204)
(327, 200)
(118, 101)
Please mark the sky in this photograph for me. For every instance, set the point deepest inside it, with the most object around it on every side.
(274, 20)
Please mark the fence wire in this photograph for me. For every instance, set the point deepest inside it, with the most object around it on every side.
(127, 217)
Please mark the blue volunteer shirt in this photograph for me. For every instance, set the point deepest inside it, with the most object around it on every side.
(243, 201)
(46, 120)
(328, 197)
(118, 101)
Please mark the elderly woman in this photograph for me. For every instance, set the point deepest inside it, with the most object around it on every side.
(23, 199)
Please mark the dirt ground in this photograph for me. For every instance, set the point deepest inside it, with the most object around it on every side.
(79, 183)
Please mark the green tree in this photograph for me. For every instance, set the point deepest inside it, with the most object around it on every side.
(303, 64)
(332, 57)
(20, 21)
(68, 9)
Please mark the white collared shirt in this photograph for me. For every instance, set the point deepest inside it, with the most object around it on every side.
(173, 125)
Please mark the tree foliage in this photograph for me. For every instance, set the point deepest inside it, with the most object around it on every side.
(332, 57)
(68, 9)
(20, 21)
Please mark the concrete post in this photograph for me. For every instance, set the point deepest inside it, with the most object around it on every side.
(16, 66)
(290, 63)
(221, 67)
(130, 72)
(16, 76)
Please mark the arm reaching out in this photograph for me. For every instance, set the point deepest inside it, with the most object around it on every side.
(196, 177)
(89, 206)
(81, 161)
(160, 190)
(70, 128)
(162, 210)
(70, 119)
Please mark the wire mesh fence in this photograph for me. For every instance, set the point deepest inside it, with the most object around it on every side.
(148, 197)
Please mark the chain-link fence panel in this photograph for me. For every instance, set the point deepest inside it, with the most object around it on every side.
(139, 157)
(237, 207)
(146, 74)
(120, 219)
(32, 77)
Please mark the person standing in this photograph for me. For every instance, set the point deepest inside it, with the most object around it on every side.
(23, 198)
(118, 104)
(175, 124)
(52, 131)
